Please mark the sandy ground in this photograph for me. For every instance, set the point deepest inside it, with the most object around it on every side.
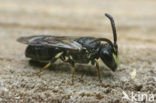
(135, 21)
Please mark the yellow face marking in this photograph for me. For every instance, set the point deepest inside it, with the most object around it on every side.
(116, 59)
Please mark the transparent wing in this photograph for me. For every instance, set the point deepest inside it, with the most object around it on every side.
(66, 42)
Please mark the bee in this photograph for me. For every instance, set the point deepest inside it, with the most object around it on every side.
(46, 48)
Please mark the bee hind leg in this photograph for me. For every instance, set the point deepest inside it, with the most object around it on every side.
(49, 64)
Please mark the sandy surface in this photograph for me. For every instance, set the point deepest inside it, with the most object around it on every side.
(135, 20)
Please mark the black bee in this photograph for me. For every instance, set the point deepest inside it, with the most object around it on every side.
(45, 48)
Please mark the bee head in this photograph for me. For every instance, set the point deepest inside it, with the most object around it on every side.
(109, 51)
(109, 56)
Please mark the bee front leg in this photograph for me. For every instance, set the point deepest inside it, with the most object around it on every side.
(50, 63)
(98, 72)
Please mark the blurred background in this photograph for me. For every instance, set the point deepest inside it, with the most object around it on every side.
(136, 27)
(135, 21)
(77, 17)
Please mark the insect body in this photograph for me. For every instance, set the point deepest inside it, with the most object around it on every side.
(73, 50)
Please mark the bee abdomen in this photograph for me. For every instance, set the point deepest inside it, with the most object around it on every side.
(40, 52)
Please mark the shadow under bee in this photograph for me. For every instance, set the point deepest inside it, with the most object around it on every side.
(81, 69)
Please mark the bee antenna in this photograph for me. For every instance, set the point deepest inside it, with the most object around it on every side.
(113, 27)
(102, 39)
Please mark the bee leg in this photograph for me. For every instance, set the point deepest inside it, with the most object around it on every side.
(44, 69)
(98, 72)
(73, 73)
(50, 63)
(73, 68)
